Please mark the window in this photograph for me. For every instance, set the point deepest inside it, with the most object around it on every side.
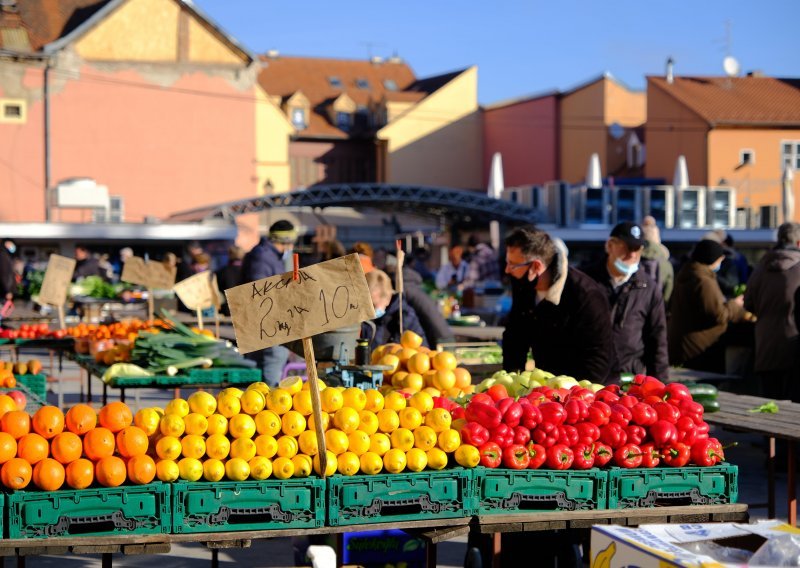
(790, 154)
(335, 82)
(299, 118)
(12, 110)
(389, 85)
(343, 121)
(116, 211)
(362, 118)
(362, 83)
(747, 157)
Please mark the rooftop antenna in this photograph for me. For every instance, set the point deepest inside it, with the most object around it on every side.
(370, 45)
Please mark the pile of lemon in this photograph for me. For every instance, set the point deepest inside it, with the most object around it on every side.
(260, 433)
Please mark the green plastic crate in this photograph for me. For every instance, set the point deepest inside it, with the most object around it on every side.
(662, 486)
(37, 384)
(219, 375)
(248, 505)
(508, 491)
(33, 402)
(129, 509)
(385, 498)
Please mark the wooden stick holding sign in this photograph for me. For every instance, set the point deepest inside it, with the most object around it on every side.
(56, 282)
(283, 308)
(217, 303)
(150, 274)
(398, 279)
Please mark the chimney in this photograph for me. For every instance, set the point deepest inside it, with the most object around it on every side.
(670, 75)
(756, 73)
(273, 54)
(376, 59)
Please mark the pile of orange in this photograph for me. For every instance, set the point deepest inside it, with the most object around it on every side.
(119, 330)
(51, 449)
(416, 368)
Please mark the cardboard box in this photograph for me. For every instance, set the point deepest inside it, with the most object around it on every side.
(615, 546)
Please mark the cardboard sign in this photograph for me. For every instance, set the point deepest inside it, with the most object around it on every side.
(150, 274)
(196, 291)
(56, 281)
(276, 310)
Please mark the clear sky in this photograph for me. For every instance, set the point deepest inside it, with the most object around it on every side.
(527, 47)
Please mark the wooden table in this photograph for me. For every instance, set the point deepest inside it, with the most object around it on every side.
(734, 414)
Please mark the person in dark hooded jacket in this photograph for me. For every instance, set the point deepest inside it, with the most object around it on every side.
(772, 295)
(387, 313)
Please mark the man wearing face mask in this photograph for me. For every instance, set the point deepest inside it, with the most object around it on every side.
(700, 313)
(268, 258)
(558, 313)
(387, 313)
(638, 316)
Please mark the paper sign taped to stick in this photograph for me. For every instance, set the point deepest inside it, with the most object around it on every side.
(56, 281)
(150, 274)
(276, 310)
(196, 291)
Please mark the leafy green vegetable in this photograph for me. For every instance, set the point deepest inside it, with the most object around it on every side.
(94, 287)
(770, 407)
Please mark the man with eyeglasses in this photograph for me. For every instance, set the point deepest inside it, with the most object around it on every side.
(558, 313)
(638, 317)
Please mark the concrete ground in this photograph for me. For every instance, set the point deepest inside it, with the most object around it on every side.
(749, 455)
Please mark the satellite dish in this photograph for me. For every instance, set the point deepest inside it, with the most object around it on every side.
(616, 131)
(731, 66)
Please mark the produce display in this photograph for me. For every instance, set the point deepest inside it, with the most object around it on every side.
(32, 331)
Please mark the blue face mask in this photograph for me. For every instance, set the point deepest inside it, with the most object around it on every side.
(380, 312)
(716, 268)
(11, 248)
(626, 269)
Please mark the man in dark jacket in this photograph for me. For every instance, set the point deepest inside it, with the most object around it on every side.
(8, 281)
(637, 308)
(771, 295)
(86, 264)
(387, 313)
(263, 261)
(558, 313)
(230, 275)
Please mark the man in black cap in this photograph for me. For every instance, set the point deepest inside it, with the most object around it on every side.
(638, 317)
(700, 313)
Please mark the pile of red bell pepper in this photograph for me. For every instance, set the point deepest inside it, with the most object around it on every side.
(651, 425)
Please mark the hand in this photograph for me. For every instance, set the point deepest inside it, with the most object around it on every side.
(9, 296)
(739, 300)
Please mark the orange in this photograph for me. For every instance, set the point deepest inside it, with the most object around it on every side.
(398, 379)
(410, 340)
(419, 363)
(7, 404)
(393, 361)
(48, 475)
(131, 441)
(17, 423)
(48, 422)
(8, 447)
(16, 473)
(110, 471)
(80, 474)
(141, 469)
(444, 380)
(444, 361)
(414, 382)
(463, 377)
(115, 416)
(66, 447)
(406, 354)
(81, 418)
(98, 443)
(32, 448)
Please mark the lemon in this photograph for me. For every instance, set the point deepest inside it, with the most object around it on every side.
(437, 459)
(346, 419)
(402, 439)
(252, 402)
(279, 401)
(416, 459)
(394, 461)
(374, 400)
(202, 403)
(291, 385)
(213, 470)
(287, 447)
(237, 469)
(260, 386)
(243, 448)
(177, 406)
(308, 443)
(218, 446)
(379, 444)
(228, 405)
(422, 401)
(348, 463)
(167, 470)
(336, 441)
(410, 418)
(467, 455)
(148, 420)
(266, 446)
(293, 423)
(172, 425)
(282, 468)
(217, 424)
(371, 463)
(388, 420)
(368, 422)
(439, 419)
(233, 391)
(242, 426)
(425, 438)
(168, 448)
(410, 339)
(331, 400)
(190, 469)
(330, 466)
(394, 401)
(193, 446)
(326, 420)
(267, 422)
(302, 465)
(322, 386)
(301, 402)
(195, 423)
(449, 440)
(358, 442)
(354, 397)
(260, 468)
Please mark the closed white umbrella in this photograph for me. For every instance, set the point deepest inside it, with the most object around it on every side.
(787, 183)
(680, 180)
(495, 191)
(594, 177)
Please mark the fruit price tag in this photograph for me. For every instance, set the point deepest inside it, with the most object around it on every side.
(196, 292)
(56, 281)
(150, 274)
(276, 310)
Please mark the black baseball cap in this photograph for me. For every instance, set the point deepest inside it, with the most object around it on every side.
(629, 233)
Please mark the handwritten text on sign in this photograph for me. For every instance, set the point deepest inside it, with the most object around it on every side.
(276, 310)
(196, 292)
(150, 274)
(56, 281)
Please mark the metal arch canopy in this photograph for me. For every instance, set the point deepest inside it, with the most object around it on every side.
(433, 201)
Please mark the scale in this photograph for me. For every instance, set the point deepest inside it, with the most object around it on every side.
(361, 376)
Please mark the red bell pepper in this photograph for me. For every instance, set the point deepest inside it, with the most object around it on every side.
(603, 453)
(537, 455)
(531, 416)
(614, 435)
(687, 430)
(620, 414)
(587, 432)
(474, 434)
(503, 435)
(512, 413)
(692, 409)
(497, 392)
(568, 435)
(521, 435)
(667, 411)
(487, 416)
(577, 410)
(707, 452)
(643, 414)
(516, 456)
(628, 456)
(546, 434)
(674, 393)
(482, 397)
(702, 430)
(636, 434)
(599, 413)
(580, 393)
(553, 412)
(663, 433)
(491, 455)
(677, 454)
(560, 457)
(458, 412)
(606, 396)
(629, 401)
(584, 456)
(651, 457)
(536, 397)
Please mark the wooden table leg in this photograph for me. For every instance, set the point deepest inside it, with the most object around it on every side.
(214, 558)
(497, 549)
(771, 479)
(430, 554)
(122, 395)
(106, 563)
(88, 386)
(792, 480)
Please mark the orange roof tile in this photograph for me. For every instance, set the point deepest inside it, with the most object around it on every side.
(48, 20)
(723, 101)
